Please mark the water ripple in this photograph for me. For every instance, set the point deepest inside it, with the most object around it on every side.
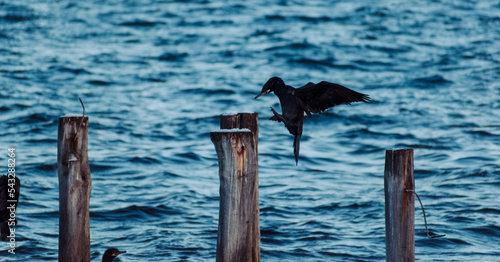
(156, 75)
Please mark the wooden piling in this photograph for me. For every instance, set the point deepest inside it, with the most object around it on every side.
(238, 236)
(399, 206)
(74, 189)
(242, 120)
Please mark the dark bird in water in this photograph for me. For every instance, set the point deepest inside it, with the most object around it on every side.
(311, 98)
(110, 254)
(9, 196)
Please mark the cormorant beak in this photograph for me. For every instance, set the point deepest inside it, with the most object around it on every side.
(118, 253)
(263, 93)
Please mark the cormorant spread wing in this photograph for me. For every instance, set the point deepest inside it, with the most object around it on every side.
(316, 98)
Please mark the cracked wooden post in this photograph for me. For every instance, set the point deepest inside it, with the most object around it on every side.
(399, 206)
(242, 120)
(74, 189)
(238, 237)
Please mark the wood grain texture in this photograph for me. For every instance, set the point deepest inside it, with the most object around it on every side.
(238, 236)
(74, 189)
(399, 206)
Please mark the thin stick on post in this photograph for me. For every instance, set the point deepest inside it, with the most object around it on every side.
(399, 206)
(238, 236)
(74, 189)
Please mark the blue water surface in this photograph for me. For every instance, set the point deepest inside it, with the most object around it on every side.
(155, 75)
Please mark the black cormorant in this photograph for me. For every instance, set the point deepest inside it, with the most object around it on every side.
(311, 98)
(9, 196)
(110, 254)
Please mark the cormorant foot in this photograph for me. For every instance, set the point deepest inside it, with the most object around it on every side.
(277, 117)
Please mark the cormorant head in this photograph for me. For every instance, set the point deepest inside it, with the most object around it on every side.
(111, 253)
(270, 86)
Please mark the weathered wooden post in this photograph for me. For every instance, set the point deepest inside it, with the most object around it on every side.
(238, 236)
(399, 206)
(74, 189)
(242, 120)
